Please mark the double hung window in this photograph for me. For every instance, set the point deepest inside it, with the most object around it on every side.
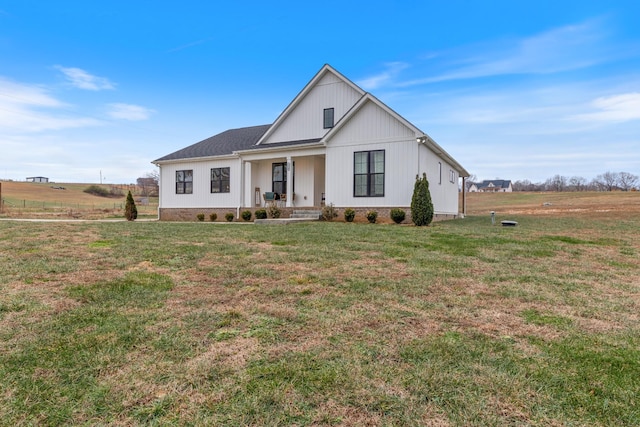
(220, 181)
(184, 181)
(368, 173)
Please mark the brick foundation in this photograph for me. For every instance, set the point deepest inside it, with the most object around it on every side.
(190, 214)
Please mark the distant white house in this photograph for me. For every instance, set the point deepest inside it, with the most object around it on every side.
(492, 186)
(37, 179)
(334, 143)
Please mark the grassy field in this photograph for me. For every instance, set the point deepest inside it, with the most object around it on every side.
(64, 201)
(460, 323)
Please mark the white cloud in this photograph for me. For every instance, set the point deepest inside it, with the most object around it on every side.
(613, 109)
(129, 112)
(83, 80)
(561, 49)
(26, 108)
(383, 78)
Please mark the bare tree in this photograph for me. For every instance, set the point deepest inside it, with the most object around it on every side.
(627, 181)
(149, 183)
(471, 179)
(557, 183)
(578, 183)
(606, 181)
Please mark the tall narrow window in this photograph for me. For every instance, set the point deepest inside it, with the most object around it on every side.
(439, 173)
(368, 173)
(184, 182)
(328, 118)
(220, 181)
(279, 178)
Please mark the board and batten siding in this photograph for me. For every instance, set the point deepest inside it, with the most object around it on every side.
(306, 120)
(201, 196)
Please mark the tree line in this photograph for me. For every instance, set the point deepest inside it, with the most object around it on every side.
(608, 181)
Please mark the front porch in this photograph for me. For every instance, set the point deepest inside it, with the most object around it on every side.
(293, 181)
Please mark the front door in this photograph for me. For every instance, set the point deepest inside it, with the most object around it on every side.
(279, 178)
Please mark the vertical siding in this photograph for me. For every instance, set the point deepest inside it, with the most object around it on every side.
(306, 120)
(201, 196)
(374, 129)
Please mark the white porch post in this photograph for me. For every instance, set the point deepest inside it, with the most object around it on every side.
(289, 182)
(242, 183)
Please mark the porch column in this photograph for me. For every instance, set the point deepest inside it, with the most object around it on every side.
(289, 182)
(242, 183)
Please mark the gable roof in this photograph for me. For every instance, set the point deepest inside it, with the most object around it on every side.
(326, 68)
(222, 144)
(499, 183)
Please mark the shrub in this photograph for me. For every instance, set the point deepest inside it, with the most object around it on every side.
(213, 216)
(200, 217)
(372, 216)
(349, 215)
(130, 210)
(397, 215)
(421, 204)
(329, 212)
(274, 211)
(246, 215)
(96, 190)
(229, 216)
(261, 214)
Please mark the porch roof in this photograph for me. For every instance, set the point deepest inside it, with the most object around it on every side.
(229, 142)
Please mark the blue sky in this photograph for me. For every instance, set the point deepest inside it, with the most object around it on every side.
(511, 89)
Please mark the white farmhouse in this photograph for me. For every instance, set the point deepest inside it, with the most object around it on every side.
(334, 143)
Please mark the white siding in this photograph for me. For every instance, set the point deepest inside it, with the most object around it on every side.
(201, 196)
(372, 128)
(306, 120)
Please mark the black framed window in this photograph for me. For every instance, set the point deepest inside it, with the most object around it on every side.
(368, 173)
(184, 182)
(220, 181)
(279, 178)
(328, 118)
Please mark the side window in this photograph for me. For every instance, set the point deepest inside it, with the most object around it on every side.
(220, 180)
(184, 181)
(328, 118)
(368, 173)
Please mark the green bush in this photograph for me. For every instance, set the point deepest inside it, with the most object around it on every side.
(200, 217)
(130, 210)
(261, 214)
(349, 215)
(397, 215)
(229, 216)
(329, 212)
(213, 216)
(421, 204)
(246, 215)
(372, 216)
(96, 190)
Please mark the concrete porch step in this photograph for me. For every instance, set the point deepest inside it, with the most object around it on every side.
(308, 214)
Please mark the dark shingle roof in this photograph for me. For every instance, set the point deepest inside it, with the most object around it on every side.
(221, 144)
(500, 183)
(227, 142)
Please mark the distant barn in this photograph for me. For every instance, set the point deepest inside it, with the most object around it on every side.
(37, 179)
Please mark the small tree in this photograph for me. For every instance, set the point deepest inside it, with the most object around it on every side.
(421, 204)
(130, 210)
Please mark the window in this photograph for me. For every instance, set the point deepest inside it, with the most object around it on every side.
(279, 178)
(368, 173)
(220, 182)
(452, 176)
(328, 118)
(184, 182)
(439, 173)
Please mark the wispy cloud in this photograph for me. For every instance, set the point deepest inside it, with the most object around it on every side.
(83, 80)
(392, 70)
(26, 108)
(613, 109)
(560, 49)
(129, 112)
